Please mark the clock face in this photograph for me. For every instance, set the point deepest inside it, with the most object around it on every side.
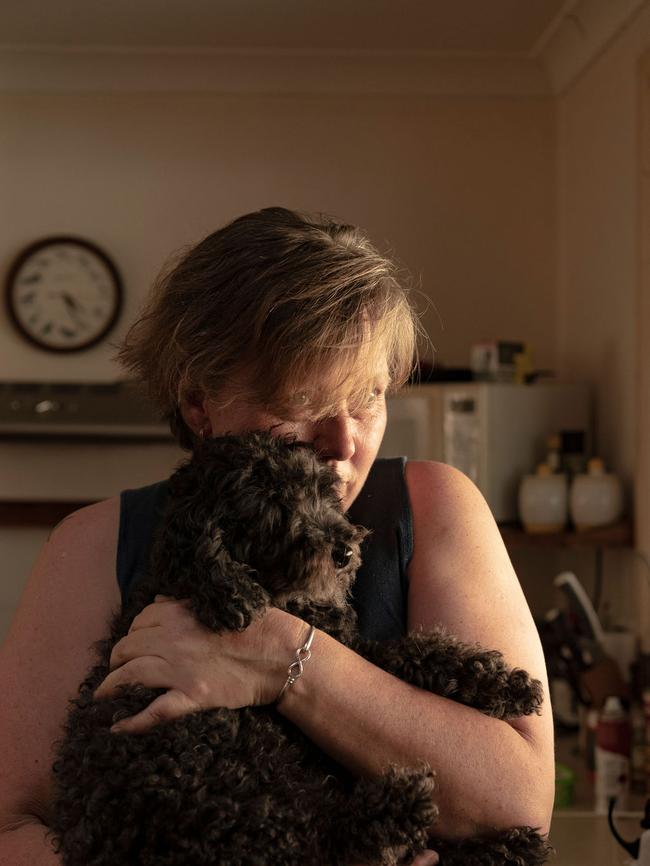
(64, 294)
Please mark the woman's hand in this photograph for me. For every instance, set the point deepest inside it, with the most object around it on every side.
(166, 647)
(426, 858)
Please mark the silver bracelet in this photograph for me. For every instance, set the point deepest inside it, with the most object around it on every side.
(294, 672)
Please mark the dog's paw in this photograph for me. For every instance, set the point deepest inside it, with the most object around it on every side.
(485, 682)
(229, 606)
(521, 846)
(523, 695)
(389, 818)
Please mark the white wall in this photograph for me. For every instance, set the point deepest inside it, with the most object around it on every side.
(460, 188)
(598, 176)
(599, 184)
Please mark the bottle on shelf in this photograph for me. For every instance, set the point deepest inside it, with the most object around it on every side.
(613, 739)
(638, 778)
(595, 497)
(554, 452)
(573, 451)
(543, 501)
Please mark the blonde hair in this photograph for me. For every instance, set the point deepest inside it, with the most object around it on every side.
(286, 298)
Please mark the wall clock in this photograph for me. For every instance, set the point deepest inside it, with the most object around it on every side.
(63, 294)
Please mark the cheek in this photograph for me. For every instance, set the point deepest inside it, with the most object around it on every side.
(369, 436)
(375, 428)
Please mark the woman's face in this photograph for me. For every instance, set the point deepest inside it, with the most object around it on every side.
(348, 441)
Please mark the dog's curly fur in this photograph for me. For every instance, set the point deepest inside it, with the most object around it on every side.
(255, 521)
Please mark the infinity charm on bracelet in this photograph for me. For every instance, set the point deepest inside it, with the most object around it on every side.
(295, 670)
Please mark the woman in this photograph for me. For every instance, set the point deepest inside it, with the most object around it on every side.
(277, 322)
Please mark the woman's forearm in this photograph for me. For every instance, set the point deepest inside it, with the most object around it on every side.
(27, 845)
(487, 775)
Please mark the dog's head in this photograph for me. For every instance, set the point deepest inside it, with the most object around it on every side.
(272, 505)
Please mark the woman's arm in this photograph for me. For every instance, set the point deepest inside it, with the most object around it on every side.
(64, 609)
(490, 773)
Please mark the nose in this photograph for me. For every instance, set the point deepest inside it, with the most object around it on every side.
(334, 438)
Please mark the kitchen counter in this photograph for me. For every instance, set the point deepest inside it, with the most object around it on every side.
(584, 839)
(579, 836)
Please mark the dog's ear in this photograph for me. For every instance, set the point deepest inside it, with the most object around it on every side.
(223, 593)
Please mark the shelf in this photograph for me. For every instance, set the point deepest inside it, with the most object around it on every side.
(618, 535)
(21, 513)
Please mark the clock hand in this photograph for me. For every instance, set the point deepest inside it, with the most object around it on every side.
(74, 309)
(70, 301)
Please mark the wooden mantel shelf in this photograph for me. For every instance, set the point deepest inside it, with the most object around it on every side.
(618, 535)
(20, 513)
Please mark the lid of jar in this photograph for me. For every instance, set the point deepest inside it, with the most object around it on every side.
(596, 466)
(543, 470)
(613, 707)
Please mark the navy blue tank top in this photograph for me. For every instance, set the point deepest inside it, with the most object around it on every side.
(380, 591)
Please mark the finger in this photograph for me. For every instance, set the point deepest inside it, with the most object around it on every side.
(143, 642)
(426, 858)
(149, 617)
(158, 612)
(161, 599)
(172, 705)
(152, 672)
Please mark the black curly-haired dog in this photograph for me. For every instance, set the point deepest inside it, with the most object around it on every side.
(255, 521)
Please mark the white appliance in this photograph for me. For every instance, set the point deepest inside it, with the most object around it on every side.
(493, 432)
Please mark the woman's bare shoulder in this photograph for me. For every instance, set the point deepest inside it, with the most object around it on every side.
(449, 511)
(460, 571)
(461, 576)
(75, 569)
(65, 608)
(440, 490)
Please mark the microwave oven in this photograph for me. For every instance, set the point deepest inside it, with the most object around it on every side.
(494, 432)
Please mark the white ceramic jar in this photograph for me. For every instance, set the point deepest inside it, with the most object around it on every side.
(596, 497)
(543, 501)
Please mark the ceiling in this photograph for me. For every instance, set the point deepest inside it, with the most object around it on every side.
(512, 28)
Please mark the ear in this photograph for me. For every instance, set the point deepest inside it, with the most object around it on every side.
(194, 409)
(224, 594)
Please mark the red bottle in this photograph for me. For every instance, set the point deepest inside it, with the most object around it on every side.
(613, 741)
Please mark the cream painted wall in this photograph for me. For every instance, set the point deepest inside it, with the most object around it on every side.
(460, 188)
(599, 183)
(597, 252)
